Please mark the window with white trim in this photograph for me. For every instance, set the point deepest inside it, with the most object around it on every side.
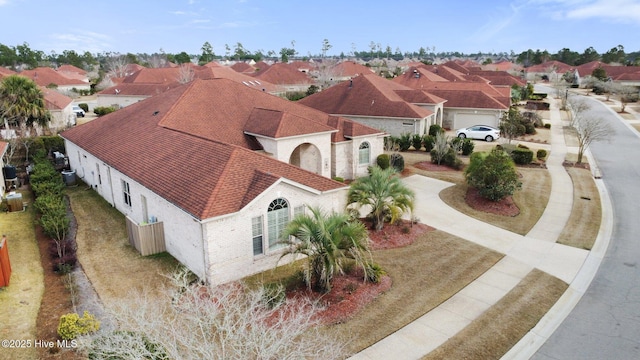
(298, 210)
(277, 219)
(126, 192)
(256, 233)
(364, 153)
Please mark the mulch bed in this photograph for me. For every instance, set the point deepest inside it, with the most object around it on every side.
(576, 165)
(349, 293)
(504, 207)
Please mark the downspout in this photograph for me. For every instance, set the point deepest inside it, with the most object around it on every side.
(204, 253)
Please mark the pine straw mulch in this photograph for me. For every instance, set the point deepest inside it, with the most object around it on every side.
(349, 293)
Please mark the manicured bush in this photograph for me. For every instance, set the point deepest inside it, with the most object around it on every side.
(541, 154)
(494, 174)
(450, 158)
(104, 110)
(547, 126)
(84, 106)
(397, 162)
(427, 142)
(71, 325)
(435, 129)
(522, 156)
(383, 161)
(467, 146)
(416, 142)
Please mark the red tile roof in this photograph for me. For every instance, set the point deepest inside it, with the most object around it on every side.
(283, 74)
(366, 95)
(45, 76)
(135, 89)
(55, 100)
(243, 67)
(547, 66)
(196, 132)
(350, 68)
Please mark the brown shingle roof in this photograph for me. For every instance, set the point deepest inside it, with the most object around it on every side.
(55, 100)
(282, 74)
(365, 95)
(189, 132)
(44, 76)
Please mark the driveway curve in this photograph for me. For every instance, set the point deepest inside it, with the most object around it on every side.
(605, 324)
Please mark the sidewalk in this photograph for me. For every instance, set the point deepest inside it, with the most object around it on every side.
(537, 249)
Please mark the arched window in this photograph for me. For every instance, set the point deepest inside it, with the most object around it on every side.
(364, 153)
(277, 219)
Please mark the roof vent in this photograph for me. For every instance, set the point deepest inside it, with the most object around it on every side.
(156, 112)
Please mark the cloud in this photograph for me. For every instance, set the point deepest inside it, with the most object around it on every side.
(624, 11)
(4, 2)
(81, 41)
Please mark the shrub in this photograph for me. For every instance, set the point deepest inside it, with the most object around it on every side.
(390, 143)
(451, 160)
(375, 273)
(71, 325)
(84, 106)
(547, 126)
(467, 146)
(492, 174)
(383, 161)
(104, 110)
(522, 156)
(110, 346)
(416, 142)
(397, 162)
(427, 142)
(404, 142)
(338, 178)
(529, 129)
(435, 129)
(541, 154)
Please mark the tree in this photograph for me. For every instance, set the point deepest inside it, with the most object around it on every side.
(185, 73)
(600, 74)
(588, 128)
(182, 58)
(207, 54)
(440, 147)
(511, 124)
(614, 55)
(22, 102)
(383, 194)
(192, 320)
(493, 174)
(325, 47)
(627, 94)
(330, 242)
(285, 53)
(589, 55)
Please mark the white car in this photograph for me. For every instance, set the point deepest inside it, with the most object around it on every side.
(481, 132)
(78, 111)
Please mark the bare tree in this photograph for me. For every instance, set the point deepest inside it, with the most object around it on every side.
(117, 66)
(588, 128)
(196, 321)
(627, 94)
(440, 147)
(185, 73)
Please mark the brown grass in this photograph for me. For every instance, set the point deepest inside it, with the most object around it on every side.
(499, 328)
(20, 301)
(584, 223)
(424, 275)
(112, 265)
(531, 200)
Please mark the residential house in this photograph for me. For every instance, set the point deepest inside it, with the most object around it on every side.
(467, 102)
(221, 167)
(380, 103)
(46, 76)
(549, 70)
(60, 108)
(285, 76)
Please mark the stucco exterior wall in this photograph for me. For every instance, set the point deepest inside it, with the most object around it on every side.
(119, 100)
(282, 149)
(392, 126)
(229, 239)
(183, 233)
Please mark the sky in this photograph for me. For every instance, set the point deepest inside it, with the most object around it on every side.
(465, 26)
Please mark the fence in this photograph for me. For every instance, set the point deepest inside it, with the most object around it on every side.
(148, 239)
(5, 265)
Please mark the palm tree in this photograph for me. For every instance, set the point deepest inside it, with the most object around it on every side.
(330, 241)
(22, 101)
(383, 193)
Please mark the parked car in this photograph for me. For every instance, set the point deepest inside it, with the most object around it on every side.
(481, 132)
(78, 111)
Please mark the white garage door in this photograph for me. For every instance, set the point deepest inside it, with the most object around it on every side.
(464, 120)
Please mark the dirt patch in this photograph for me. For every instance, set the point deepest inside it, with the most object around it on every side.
(571, 164)
(504, 207)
